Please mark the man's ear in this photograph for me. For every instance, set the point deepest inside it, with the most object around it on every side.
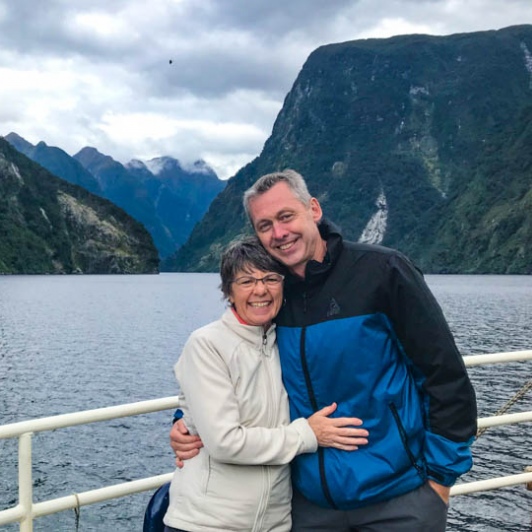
(315, 209)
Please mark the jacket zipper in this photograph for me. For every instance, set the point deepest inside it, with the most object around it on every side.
(314, 404)
(266, 473)
(264, 342)
(264, 500)
(404, 440)
(266, 362)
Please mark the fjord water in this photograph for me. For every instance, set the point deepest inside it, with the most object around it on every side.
(70, 343)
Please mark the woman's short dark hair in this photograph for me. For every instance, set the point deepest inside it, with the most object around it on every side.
(242, 255)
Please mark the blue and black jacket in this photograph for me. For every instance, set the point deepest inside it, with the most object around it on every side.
(363, 330)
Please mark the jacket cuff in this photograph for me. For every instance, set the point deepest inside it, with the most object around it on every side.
(310, 442)
(178, 414)
(445, 480)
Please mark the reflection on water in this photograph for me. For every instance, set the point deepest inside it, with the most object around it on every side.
(79, 342)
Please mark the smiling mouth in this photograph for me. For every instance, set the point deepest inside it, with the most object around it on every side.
(260, 305)
(285, 247)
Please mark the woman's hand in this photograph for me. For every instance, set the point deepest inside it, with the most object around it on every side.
(340, 433)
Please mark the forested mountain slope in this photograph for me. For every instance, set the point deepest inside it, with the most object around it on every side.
(416, 142)
(48, 225)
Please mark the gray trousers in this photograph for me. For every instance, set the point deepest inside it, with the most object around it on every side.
(421, 510)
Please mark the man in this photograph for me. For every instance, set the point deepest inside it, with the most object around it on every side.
(361, 328)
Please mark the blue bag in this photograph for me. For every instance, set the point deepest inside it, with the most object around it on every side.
(153, 517)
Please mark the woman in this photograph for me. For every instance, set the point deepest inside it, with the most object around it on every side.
(230, 377)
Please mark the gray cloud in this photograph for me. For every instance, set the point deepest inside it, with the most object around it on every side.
(94, 72)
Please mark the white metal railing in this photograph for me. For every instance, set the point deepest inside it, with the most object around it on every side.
(494, 358)
(26, 510)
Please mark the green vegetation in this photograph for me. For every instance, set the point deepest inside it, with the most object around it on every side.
(440, 125)
(50, 226)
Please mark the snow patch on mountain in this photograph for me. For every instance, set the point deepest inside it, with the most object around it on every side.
(136, 164)
(159, 164)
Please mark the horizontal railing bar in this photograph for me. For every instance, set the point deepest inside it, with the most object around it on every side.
(506, 419)
(85, 498)
(494, 358)
(491, 484)
(99, 495)
(12, 515)
(13, 430)
(129, 488)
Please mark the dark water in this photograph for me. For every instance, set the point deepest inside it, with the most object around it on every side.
(80, 342)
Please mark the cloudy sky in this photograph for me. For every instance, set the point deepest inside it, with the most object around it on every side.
(188, 78)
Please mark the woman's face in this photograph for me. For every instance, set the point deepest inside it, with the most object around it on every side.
(257, 302)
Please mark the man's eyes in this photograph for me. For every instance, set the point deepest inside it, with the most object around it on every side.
(283, 218)
(286, 217)
(261, 228)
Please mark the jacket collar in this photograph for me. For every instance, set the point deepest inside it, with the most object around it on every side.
(252, 334)
(315, 271)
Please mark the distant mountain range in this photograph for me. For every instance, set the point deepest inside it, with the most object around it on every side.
(48, 225)
(417, 142)
(165, 197)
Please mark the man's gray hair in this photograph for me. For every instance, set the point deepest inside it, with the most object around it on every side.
(242, 255)
(294, 180)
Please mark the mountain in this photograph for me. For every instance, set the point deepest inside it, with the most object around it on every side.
(417, 142)
(161, 194)
(165, 197)
(181, 195)
(57, 161)
(123, 189)
(48, 225)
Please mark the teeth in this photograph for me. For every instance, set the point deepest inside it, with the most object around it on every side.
(285, 246)
(264, 304)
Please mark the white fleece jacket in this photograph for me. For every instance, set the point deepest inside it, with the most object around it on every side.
(230, 376)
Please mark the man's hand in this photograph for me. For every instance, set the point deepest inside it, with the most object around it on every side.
(184, 445)
(339, 432)
(442, 491)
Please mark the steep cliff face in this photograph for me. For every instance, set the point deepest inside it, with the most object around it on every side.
(416, 142)
(50, 226)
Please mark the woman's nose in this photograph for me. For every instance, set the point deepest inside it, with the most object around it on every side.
(260, 287)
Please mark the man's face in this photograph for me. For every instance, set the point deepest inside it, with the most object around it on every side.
(287, 228)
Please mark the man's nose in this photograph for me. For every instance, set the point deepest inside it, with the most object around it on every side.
(278, 231)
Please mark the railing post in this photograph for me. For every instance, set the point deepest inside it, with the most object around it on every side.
(25, 482)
